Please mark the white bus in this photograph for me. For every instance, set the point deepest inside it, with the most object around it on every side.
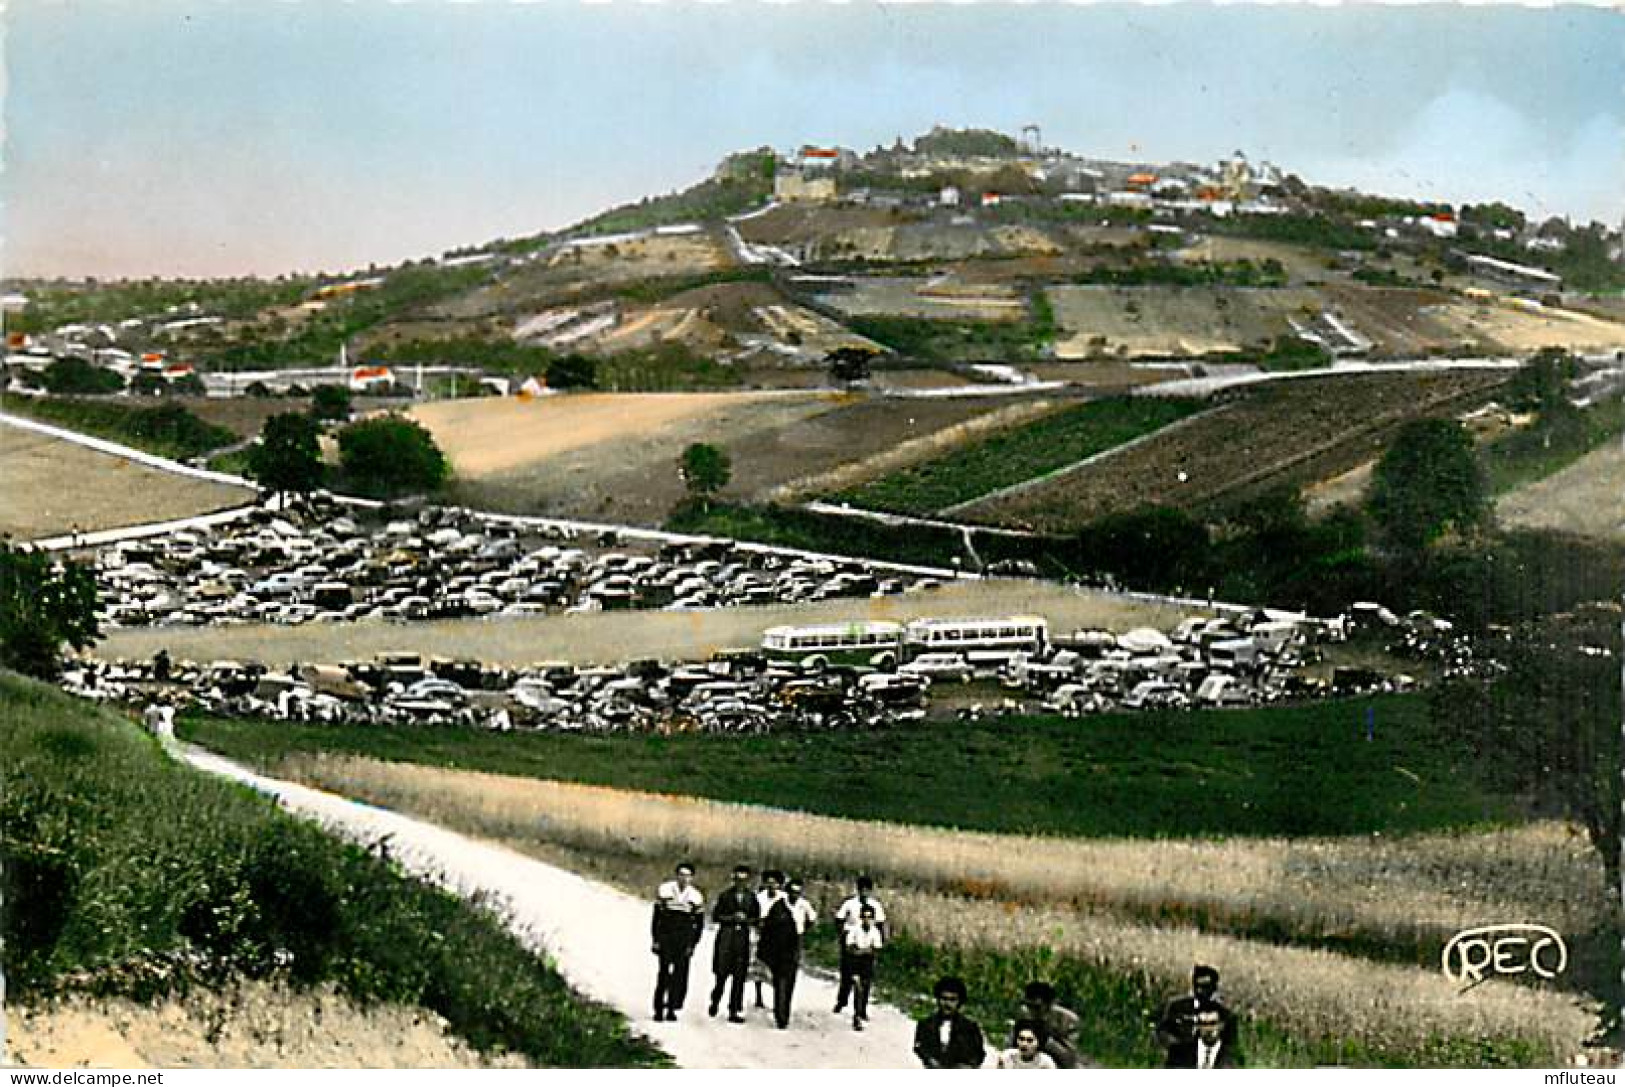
(864, 642)
(985, 643)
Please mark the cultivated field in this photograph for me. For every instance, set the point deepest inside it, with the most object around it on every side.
(982, 895)
(1517, 327)
(614, 456)
(612, 637)
(1164, 321)
(930, 298)
(50, 487)
(1587, 497)
(1301, 263)
(1296, 432)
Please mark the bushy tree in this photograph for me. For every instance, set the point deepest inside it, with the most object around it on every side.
(391, 455)
(76, 377)
(705, 470)
(289, 454)
(330, 402)
(1542, 383)
(848, 365)
(43, 606)
(573, 372)
(1429, 481)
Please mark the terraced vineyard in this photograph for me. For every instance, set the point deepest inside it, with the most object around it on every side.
(1284, 433)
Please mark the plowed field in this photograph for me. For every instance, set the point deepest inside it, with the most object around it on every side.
(1288, 432)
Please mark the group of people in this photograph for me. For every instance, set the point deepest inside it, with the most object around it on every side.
(759, 937)
(760, 932)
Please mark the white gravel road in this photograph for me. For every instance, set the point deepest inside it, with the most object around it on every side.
(599, 939)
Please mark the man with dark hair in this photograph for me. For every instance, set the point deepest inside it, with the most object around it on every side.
(735, 912)
(1177, 1025)
(948, 1038)
(784, 920)
(846, 916)
(1060, 1024)
(674, 929)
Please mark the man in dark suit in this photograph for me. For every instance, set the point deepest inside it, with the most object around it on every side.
(949, 1039)
(1177, 1026)
(736, 912)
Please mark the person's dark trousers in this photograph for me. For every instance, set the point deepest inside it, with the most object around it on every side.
(845, 992)
(863, 978)
(784, 988)
(671, 983)
(731, 959)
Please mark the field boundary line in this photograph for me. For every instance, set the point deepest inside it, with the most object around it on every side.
(1077, 466)
(102, 445)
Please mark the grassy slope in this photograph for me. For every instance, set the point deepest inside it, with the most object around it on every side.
(127, 874)
(1291, 770)
(1014, 456)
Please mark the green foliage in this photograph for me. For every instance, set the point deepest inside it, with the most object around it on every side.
(96, 303)
(1426, 483)
(666, 366)
(967, 142)
(1560, 435)
(390, 456)
(289, 455)
(1316, 231)
(1492, 216)
(168, 430)
(1226, 273)
(129, 875)
(330, 402)
(828, 533)
(705, 470)
(76, 377)
(496, 355)
(849, 365)
(1235, 772)
(1541, 384)
(1549, 727)
(708, 201)
(1295, 353)
(1022, 453)
(44, 606)
(946, 339)
(573, 371)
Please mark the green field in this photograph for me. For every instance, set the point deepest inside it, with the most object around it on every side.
(167, 430)
(126, 874)
(1015, 456)
(1292, 770)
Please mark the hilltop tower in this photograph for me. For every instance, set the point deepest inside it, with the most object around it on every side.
(1032, 141)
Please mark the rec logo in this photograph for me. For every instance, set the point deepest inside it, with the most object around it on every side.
(1475, 955)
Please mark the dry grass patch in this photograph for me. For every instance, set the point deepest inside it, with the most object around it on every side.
(1003, 893)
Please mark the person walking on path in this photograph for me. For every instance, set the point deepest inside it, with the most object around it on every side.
(1026, 1050)
(948, 1038)
(1060, 1024)
(761, 971)
(1176, 1026)
(784, 923)
(846, 916)
(860, 945)
(736, 913)
(675, 927)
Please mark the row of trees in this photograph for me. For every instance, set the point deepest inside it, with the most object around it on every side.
(383, 457)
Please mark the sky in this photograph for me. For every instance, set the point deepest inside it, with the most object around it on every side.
(235, 137)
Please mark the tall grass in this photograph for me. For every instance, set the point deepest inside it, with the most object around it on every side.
(125, 874)
(1005, 909)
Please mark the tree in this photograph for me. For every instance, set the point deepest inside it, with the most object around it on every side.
(849, 365)
(389, 456)
(76, 377)
(43, 605)
(330, 402)
(1428, 482)
(573, 372)
(705, 470)
(289, 454)
(1542, 383)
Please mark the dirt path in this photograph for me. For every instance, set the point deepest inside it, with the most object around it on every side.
(598, 938)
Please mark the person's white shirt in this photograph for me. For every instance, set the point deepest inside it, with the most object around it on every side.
(765, 900)
(849, 910)
(1207, 1053)
(674, 896)
(1011, 1058)
(804, 914)
(862, 939)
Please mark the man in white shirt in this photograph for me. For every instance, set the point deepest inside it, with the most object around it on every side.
(675, 927)
(846, 916)
(1211, 1049)
(860, 944)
